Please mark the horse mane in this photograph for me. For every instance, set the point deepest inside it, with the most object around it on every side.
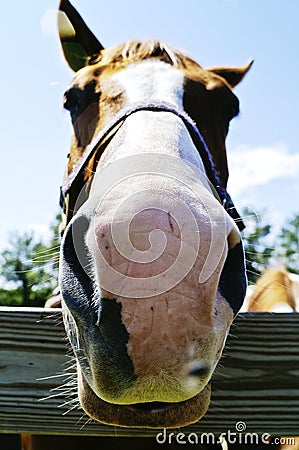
(134, 51)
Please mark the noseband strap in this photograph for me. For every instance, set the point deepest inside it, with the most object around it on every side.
(97, 145)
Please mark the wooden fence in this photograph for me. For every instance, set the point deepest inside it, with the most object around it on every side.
(257, 381)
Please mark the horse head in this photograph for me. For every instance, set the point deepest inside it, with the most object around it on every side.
(152, 266)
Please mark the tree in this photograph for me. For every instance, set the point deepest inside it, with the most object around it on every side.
(10, 297)
(29, 266)
(288, 249)
(258, 251)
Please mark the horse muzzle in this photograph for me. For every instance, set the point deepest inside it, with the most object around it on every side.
(143, 415)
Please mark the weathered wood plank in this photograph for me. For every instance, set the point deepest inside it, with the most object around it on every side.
(257, 381)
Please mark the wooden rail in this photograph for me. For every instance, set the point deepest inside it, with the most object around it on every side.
(257, 381)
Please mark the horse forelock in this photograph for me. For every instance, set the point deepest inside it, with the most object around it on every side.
(133, 51)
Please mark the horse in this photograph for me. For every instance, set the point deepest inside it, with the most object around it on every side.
(152, 268)
(152, 265)
(275, 291)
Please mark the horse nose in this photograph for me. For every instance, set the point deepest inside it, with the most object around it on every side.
(198, 370)
(196, 374)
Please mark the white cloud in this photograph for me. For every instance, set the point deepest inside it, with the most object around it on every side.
(48, 23)
(41, 231)
(251, 167)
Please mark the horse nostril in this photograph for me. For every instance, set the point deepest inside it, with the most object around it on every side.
(199, 370)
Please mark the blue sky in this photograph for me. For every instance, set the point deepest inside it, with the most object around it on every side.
(263, 144)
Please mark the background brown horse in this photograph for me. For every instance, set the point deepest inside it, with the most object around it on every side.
(275, 291)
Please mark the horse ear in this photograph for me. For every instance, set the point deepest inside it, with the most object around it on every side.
(78, 42)
(233, 76)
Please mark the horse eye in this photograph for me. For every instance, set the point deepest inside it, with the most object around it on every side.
(72, 99)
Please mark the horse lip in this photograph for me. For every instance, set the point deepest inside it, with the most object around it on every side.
(151, 407)
(143, 415)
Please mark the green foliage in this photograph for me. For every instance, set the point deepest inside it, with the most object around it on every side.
(256, 244)
(30, 268)
(288, 250)
(259, 248)
(10, 297)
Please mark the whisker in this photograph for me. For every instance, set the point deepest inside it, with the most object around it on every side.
(69, 385)
(71, 409)
(41, 282)
(84, 415)
(88, 169)
(88, 421)
(257, 253)
(52, 396)
(32, 269)
(48, 250)
(252, 271)
(53, 376)
(39, 261)
(69, 403)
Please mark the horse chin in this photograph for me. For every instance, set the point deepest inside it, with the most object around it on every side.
(143, 415)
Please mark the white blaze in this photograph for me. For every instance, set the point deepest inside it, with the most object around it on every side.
(152, 80)
(153, 132)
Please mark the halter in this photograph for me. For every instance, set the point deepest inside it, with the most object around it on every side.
(74, 181)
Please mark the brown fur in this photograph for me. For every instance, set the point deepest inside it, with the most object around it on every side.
(208, 97)
(274, 287)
